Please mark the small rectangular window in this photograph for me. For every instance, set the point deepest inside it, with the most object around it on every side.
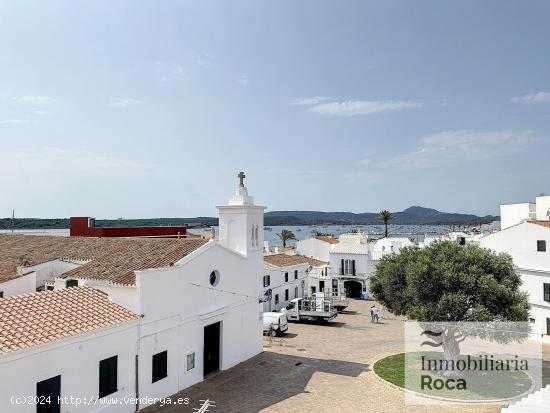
(295, 274)
(1, 294)
(276, 298)
(160, 366)
(71, 283)
(295, 292)
(190, 362)
(548, 326)
(48, 394)
(541, 245)
(546, 292)
(108, 376)
(532, 320)
(286, 295)
(286, 277)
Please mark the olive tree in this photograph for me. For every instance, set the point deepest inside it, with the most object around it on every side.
(446, 282)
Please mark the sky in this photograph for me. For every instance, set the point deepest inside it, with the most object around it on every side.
(143, 109)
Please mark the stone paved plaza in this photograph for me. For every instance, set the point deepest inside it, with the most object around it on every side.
(317, 368)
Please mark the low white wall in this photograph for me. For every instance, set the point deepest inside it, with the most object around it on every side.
(21, 285)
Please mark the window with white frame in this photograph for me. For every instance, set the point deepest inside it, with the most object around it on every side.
(190, 361)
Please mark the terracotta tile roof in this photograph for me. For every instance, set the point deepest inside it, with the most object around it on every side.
(29, 320)
(110, 259)
(284, 260)
(314, 262)
(328, 239)
(542, 223)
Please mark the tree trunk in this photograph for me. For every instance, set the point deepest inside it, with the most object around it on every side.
(451, 353)
(386, 224)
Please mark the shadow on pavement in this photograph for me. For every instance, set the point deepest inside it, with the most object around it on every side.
(260, 382)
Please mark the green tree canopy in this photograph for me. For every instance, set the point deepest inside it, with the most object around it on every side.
(449, 282)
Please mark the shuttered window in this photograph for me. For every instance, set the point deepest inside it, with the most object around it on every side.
(541, 245)
(295, 274)
(546, 292)
(286, 295)
(108, 376)
(48, 393)
(160, 366)
(286, 277)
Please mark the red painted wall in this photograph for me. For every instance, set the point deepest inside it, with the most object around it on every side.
(80, 227)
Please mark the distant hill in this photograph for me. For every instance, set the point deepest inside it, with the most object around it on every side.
(412, 215)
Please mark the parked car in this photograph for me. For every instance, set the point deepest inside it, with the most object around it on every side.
(277, 321)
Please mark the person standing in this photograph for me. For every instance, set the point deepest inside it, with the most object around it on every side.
(374, 313)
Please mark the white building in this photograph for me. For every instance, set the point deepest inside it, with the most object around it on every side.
(290, 276)
(198, 301)
(73, 342)
(316, 247)
(460, 237)
(353, 260)
(512, 214)
(528, 244)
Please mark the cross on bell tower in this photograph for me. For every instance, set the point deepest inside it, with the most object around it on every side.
(241, 177)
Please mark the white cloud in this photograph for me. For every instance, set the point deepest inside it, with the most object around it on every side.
(168, 72)
(242, 79)
(539, 97)
(361, 107)
(35, 100)
(41, 112)
(124, 102)
(454, 146)
(315, 100)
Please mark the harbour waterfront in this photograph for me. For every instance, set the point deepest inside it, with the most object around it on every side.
(414, 232)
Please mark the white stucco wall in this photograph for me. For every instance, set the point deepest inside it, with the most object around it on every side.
(361, 262)
(513, 214)
(47, 271)
(314, 248)
(278, 285)
(543, 207)
(520, 242)
(21, 285)
(77, 360)
(178, 302)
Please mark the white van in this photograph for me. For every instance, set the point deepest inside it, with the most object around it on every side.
(278, 321)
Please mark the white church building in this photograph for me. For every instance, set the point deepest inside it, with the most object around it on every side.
(167, 312)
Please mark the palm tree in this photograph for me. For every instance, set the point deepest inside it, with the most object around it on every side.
(385, 216)
(285, 236)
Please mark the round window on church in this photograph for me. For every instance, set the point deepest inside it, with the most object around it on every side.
(214, 278)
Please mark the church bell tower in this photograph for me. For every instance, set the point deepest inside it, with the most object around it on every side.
(241, 225)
